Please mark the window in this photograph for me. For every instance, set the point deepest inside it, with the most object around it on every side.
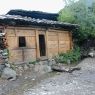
(22, 42)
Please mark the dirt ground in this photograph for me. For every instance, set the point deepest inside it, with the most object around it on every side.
(77, 83)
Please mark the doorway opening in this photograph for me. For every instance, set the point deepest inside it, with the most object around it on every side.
(42, 46)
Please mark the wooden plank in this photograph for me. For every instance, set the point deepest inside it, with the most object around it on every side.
(15, 55)
(29, 54)
(22, 55)
(52, 33)
(58, 41)
(10, 32)
(12, 42)
(47, 43)
(53, 38)
(25, 32)
(37, 45)
(71, 40)
(64, 41)
(30, 42)
(52, 43)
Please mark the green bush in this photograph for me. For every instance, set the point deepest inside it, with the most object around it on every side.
(32, 62)
(71, 56)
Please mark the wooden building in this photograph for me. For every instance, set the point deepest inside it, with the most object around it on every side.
(41, 36)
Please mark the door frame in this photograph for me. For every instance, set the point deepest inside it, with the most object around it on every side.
(40, 32)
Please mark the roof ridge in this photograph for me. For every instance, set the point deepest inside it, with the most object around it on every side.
(34, 14)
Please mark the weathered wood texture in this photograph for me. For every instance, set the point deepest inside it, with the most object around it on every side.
(56, 42)
(17, 54)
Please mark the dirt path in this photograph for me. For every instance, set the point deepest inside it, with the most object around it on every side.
(28, 80)
(77, 83)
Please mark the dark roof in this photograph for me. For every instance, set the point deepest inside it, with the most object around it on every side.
(34, 14)
(19, 20)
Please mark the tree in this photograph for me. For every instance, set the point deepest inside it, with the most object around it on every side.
(67, 2)
(82, 13)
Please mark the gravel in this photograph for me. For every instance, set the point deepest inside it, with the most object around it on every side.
(77, 83)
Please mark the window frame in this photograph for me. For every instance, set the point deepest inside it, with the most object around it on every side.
(19, 43)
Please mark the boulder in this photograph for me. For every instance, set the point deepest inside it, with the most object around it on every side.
(25, 67)
(51, 62)
(19, 70)
(2, 66)
(7, 65)
(91, 53)
(8, 73)
(63, 68)
(42, 68)
(47, 68)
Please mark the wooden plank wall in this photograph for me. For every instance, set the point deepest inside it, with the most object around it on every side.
(52, 43)
(21, 54)
(56, 42)
(64, 41)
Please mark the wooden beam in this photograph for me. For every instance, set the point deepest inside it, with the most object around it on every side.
(37, 45)
(47, 43)
(58, 42)
(71, 40)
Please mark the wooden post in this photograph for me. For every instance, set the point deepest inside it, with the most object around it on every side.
(71, 40)
(37, 44)
(58, 42)
(47, 43)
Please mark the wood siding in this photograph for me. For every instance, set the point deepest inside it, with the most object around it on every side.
(56, 41)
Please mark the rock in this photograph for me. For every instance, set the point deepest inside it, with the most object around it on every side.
(91, 53)
(59, 68)
(47, 68)
(2, 66)
(7, 65)
(1, 51)
(42, 68)
(74, 68)
(62, 68)
(8, 73)
(37, 68)
(26, 67)
(5, 54)
(20, 70)
(30, 65)
(4, 57)
(6, 60)
(51, 62)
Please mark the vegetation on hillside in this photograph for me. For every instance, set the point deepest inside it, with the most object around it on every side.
(82, 13)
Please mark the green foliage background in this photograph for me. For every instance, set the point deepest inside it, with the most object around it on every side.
(82, 13)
